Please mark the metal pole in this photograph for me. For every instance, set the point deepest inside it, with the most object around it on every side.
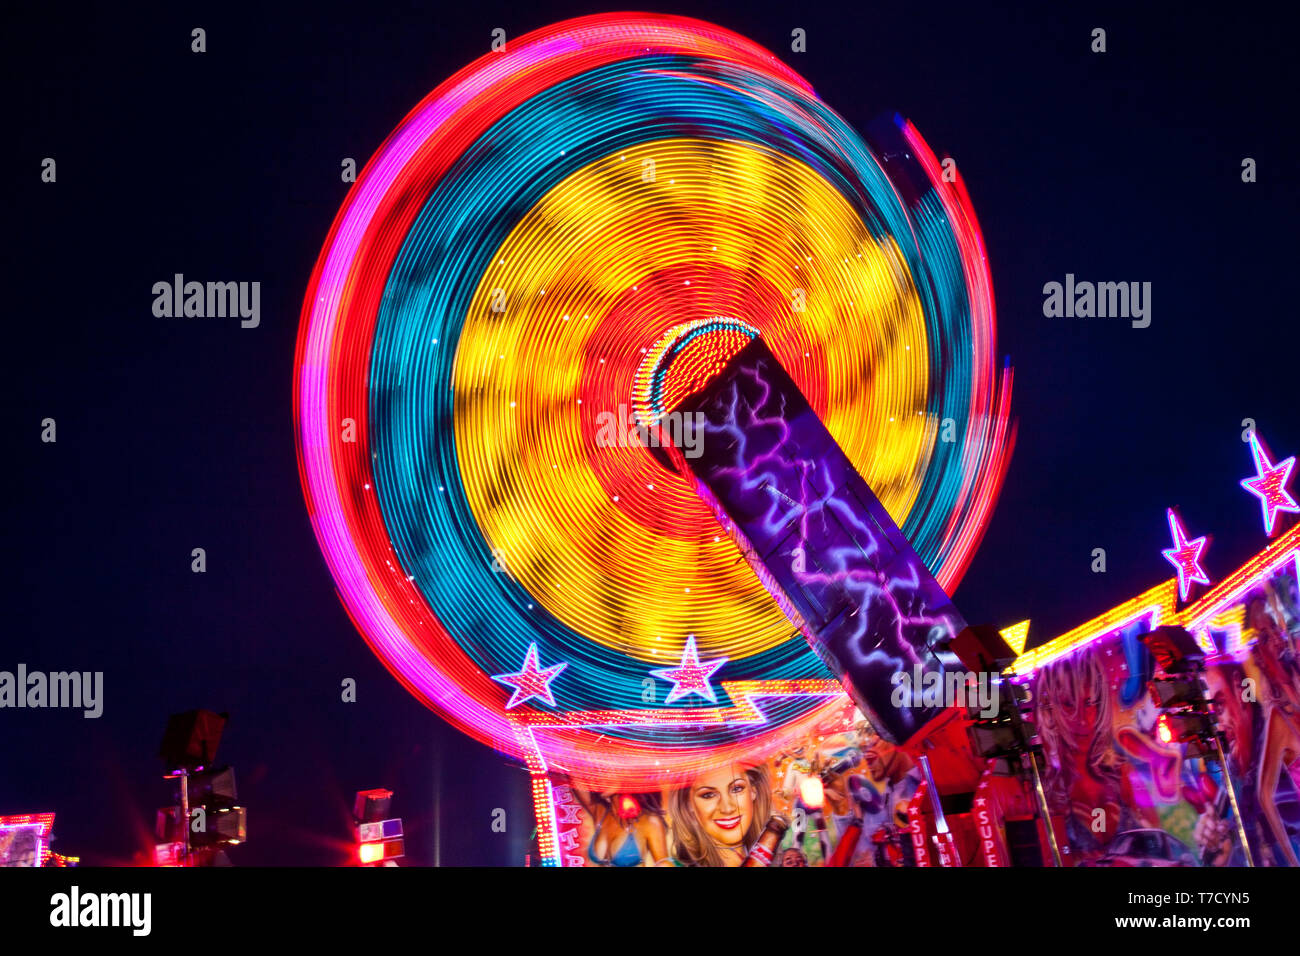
(185, 815)
(943, 839)
(1043, 810)
(1232, 798)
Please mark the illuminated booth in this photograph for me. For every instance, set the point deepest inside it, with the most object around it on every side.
(25, 839)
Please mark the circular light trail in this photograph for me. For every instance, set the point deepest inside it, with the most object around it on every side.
(482, 332)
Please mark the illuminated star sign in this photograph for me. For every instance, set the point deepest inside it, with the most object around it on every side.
(690, 677)
(531, 681)
(1185, 556)
(1270, 485)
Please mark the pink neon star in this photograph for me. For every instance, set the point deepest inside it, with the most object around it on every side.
(531, 681)
(1270, 485)
(691, 677)
(1185, 556)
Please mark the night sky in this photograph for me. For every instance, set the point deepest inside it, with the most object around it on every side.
(175, 434)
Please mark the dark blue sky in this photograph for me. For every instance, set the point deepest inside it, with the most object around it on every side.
(174, 435)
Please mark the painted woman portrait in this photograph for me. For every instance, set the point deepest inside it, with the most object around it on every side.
(628, 829)
(1085, 773)
(719, 816)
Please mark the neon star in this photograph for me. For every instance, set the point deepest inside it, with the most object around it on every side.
(690, 677)
(531, 681)
(1185, 556)
(1270, 485)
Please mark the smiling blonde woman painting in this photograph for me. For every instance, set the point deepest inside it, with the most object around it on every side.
(718, 817)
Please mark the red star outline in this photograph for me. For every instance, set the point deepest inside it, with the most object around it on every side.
(1185, 556)
(1269, 485)
(532, 681)
(690, 677)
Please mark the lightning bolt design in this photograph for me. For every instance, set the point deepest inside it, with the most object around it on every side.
(818, 538)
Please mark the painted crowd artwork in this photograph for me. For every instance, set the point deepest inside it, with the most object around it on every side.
(1129, 799)
(1119, 796)
(838, 797)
